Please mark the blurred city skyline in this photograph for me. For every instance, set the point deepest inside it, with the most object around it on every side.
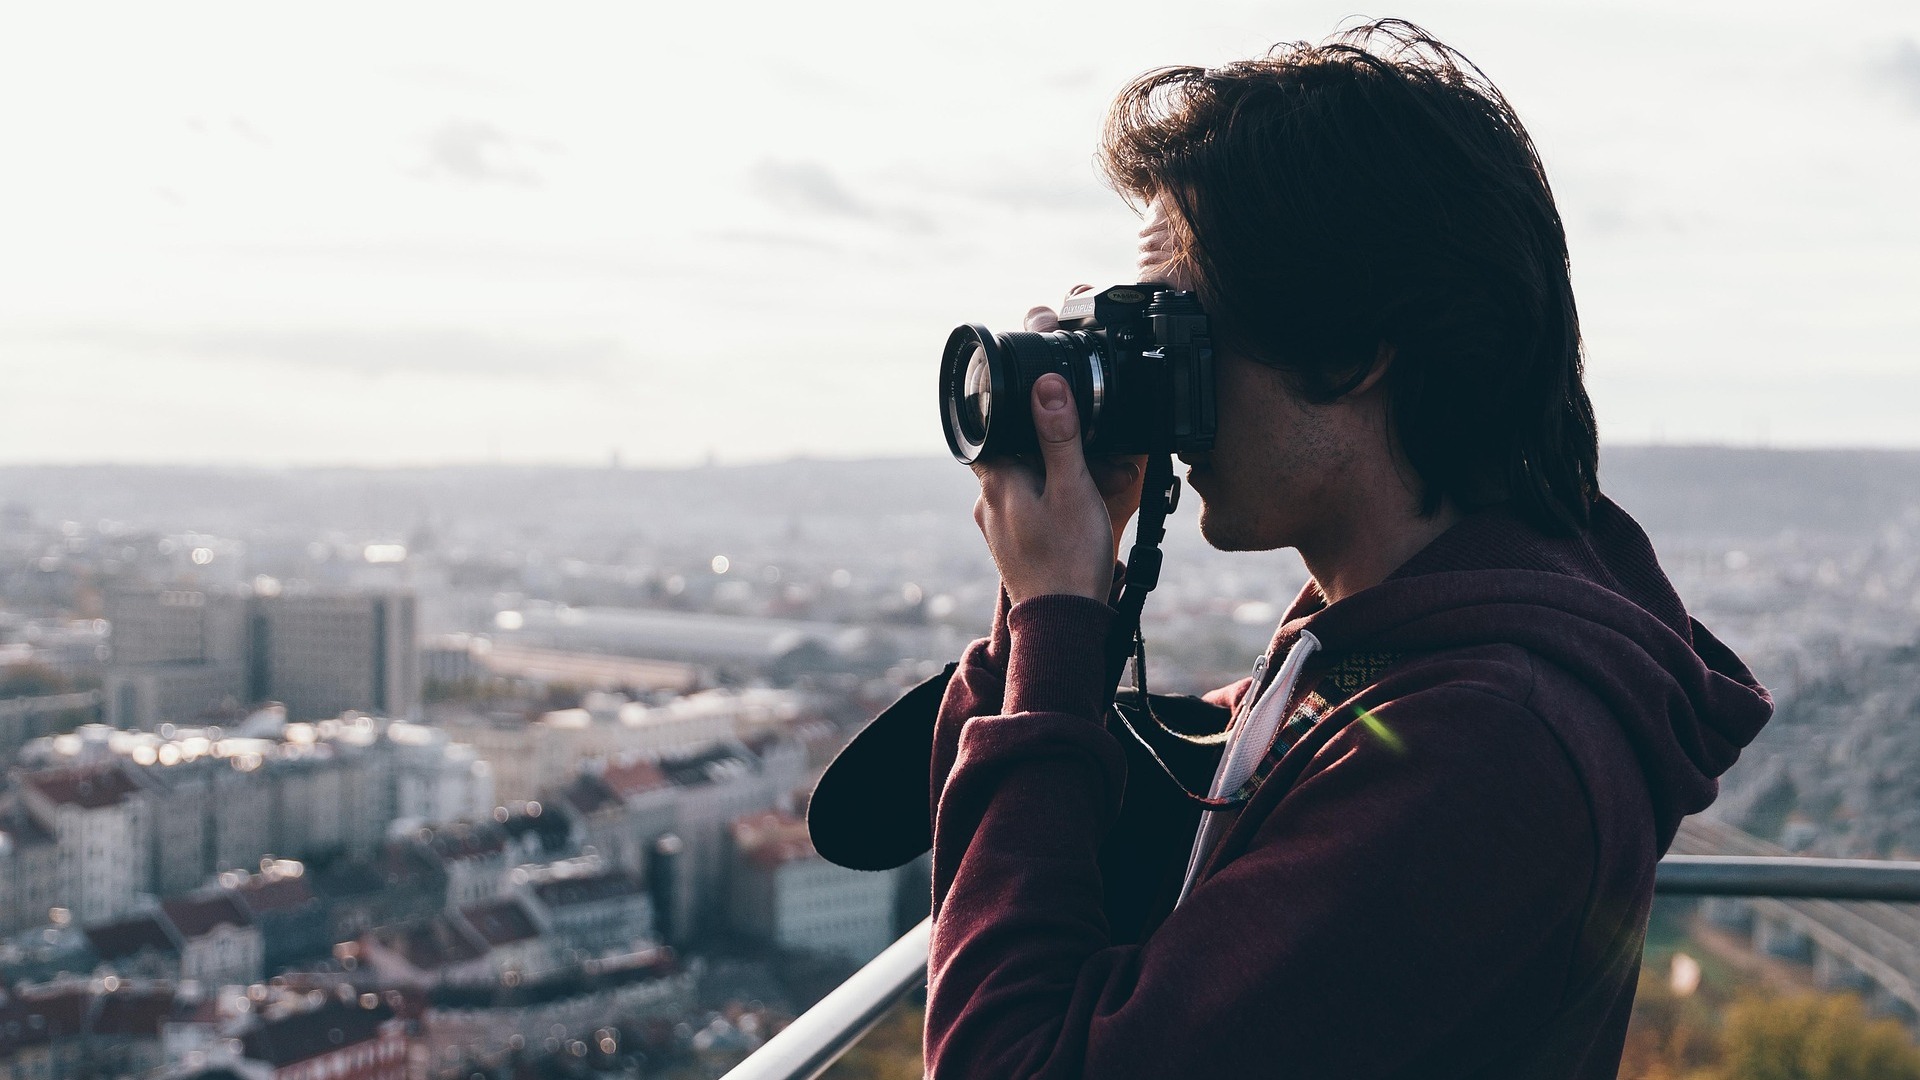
(439, 234)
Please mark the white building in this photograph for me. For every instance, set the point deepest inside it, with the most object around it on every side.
(783, 892)
(712, 790)
(587, 907)
(98, 818)
(219, 944)
(436, 779)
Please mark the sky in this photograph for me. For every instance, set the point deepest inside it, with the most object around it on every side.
(405, 234)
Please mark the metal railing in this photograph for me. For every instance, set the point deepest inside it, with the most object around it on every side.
(812, 1043)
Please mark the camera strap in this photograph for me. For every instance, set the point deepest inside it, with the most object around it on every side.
(1159, 495)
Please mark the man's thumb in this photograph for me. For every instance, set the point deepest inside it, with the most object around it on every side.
(1057, 423)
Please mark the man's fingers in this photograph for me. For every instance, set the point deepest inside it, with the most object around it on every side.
(1041, 320)
(1115, 475)
(1057, 422)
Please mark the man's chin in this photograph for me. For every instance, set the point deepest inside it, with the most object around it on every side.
(1222, 533)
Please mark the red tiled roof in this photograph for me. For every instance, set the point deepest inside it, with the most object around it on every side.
(431, 944)
(134, 1013)
(38, 1020)
(198, 916)
(302, 1036)
(126, 938)
(635, 777)
(88, 789)
(772, 838)
(589, 795)
(265, 894)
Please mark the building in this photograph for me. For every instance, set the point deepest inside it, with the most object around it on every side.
(219, 945)
(712, 790)
(76, 1029)
(435, 778)
(784, 893)
(588, 908)
(653, 810)
(26, 718)
(358, 1039)
(532, 757)
(29, 869)
(280, 901)
(325, 654)
(515, 947)
(474, 857)
(138, 947)
(176, 654)
(180, 655)
(492, 944)
(200, 801)
(467, 1029)
(98, 818)
(180, 798)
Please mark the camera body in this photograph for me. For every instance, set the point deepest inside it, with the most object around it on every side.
(1138, 358)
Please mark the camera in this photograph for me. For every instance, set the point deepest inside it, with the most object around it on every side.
(1138, 358)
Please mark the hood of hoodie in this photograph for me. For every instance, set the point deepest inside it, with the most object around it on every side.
(1595, 604)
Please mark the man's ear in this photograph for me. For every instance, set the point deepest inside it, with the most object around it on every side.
(1382, 359)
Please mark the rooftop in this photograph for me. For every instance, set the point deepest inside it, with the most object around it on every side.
(500, 922)
(129, 937)
(301, 1036)
(465, 841)
(88, 789)
(431, 944)
(772, 838)
(636, 777)
(587, 888)
(199, 916)
(262, 894)
(708, 766)
(589, 795)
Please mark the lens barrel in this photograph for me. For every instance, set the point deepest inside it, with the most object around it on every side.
(986, 387)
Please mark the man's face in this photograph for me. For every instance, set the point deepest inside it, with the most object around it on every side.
(1276, 457)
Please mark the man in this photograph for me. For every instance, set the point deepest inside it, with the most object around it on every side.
(1439, 804)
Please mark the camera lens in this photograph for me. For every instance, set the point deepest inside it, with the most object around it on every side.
(981, 368)
(974, 371)
(976, 397)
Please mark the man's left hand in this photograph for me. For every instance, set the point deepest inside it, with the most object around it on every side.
(1046, 522)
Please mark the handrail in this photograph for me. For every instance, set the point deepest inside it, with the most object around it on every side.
(820, 1035)
(818, 1038)
(1788, 877)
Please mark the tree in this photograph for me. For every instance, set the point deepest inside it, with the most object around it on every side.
(1812, 1037)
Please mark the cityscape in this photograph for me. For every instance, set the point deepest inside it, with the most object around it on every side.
(503, 771)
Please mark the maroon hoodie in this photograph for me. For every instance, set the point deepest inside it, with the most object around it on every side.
(1456, 887)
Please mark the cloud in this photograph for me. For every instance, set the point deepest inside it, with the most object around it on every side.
(808, 187)
(1900, 73)
(1036, 194)
(374, 352)
(477, 152)
(767, 238)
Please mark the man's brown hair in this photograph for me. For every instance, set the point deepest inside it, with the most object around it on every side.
(1376, 196)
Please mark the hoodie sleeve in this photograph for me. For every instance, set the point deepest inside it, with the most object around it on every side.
(1431, 869)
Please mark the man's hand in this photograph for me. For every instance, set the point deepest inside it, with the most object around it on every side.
(1054, 525)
